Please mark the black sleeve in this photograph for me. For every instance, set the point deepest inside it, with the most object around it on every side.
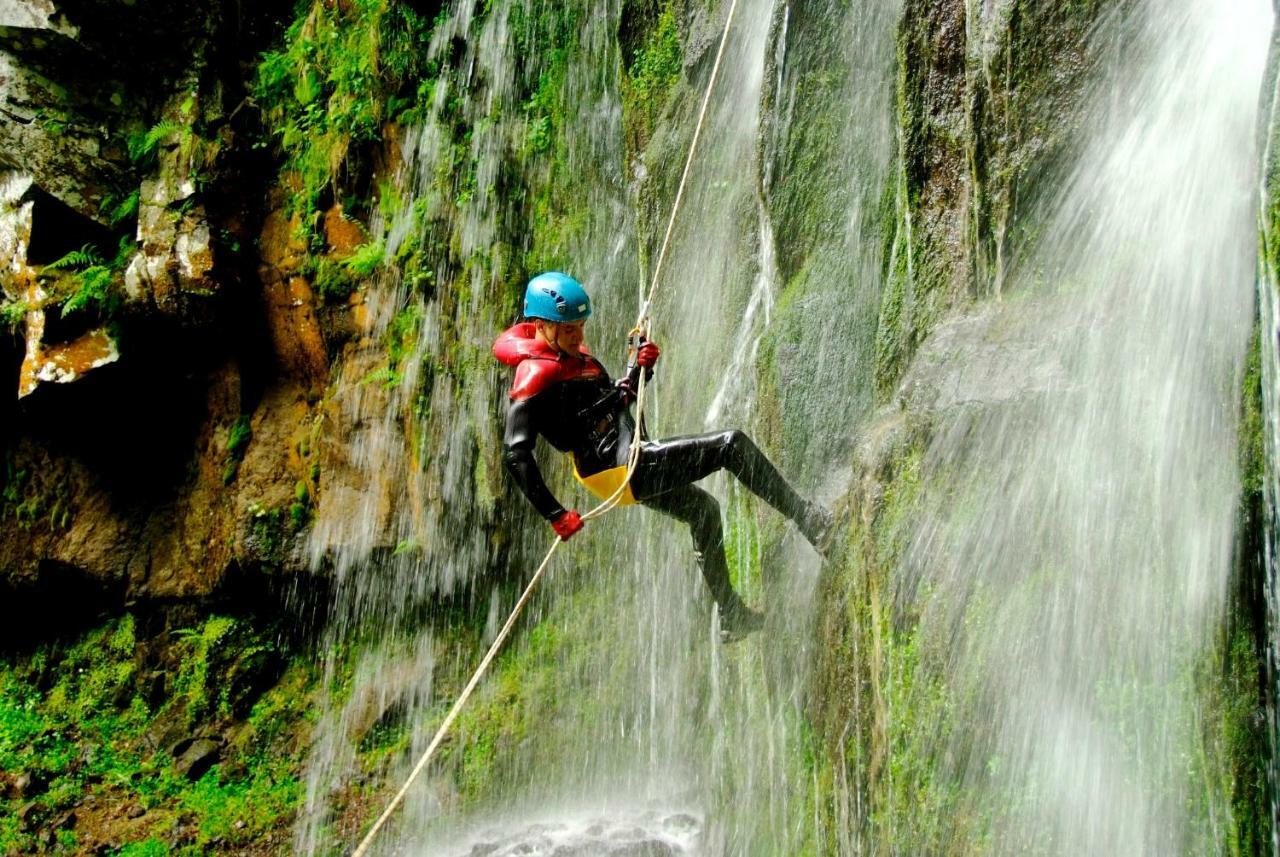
(520, 437)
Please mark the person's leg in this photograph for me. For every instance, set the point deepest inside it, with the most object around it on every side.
(698, 509)
(666, 464)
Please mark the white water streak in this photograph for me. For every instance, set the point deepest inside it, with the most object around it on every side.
(1070, 570)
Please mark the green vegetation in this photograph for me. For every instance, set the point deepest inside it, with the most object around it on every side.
(238, 437)
(119, 209)
(82, 258)
(914, 268)
(652, 76)
(240, 434)
(365, 259)
(84, 279)
(273, 529)
(1253, 454)
(1235, 729)
(344, 69)
(34, 492)
(331, 279)
(502, 729)
(213, 660)
(554, 184)
(80, 721)
(13, 314)
(182, 131)
(1233, 724)
(144, 145)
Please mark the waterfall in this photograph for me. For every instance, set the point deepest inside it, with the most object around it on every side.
(1067, 566)
(1269, 346)
(405, 525)
(1043, 647)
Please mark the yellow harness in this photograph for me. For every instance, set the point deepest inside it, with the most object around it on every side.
(605, 483)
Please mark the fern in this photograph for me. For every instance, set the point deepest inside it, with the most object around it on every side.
(385, 377)
(118, 209)
(366, 259)
(143, 145)
(85, 257)
(95, 285)
(124, 253)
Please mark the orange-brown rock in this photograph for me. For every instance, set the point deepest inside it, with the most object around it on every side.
(289, 302)
(62, 363)
(70, 510)
(295, 330)
(281, 247)
(342, 234)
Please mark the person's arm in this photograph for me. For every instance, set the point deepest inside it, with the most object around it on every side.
(520, 438)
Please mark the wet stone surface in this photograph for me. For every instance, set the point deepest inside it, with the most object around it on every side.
(651, 834)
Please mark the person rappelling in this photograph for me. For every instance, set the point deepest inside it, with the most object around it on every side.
(566, 395)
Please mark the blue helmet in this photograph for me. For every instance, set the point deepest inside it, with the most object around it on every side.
(554, 296)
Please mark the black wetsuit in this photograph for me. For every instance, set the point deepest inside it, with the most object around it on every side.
(590, 417)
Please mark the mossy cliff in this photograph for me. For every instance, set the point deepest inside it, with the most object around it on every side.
(275, 252)
(987, 126)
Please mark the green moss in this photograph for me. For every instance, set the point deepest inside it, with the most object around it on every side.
(744, 544)
(13, 314)
(893, 332)
(1237, 716)
(76, 718)
(342, 72)
(333, 280)
(273, 528)
(238, 438)
(237, 812)
(652, 77)
(152, 847)
(1252, 422)
(35, 491)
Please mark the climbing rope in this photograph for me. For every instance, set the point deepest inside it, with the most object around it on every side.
(633, 457)
(688, 163)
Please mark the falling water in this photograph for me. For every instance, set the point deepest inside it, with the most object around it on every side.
(657, 721)
(642, 710)
(1269, 343)
(1067, 557)
(405, 519)
(1070, 558)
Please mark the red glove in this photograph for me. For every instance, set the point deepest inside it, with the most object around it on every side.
(566, 524)
(648, 355)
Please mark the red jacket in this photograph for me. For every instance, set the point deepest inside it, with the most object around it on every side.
(538, 365)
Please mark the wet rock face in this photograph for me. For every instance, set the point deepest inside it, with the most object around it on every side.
(64, 362)
(989, 96)
(193, 757)
(992, 358)
(80, 124)
(68, 157)
(57, 357)
(650, 834)
(175, 262)
(69, 93)
(288, 299)
(119, 122)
